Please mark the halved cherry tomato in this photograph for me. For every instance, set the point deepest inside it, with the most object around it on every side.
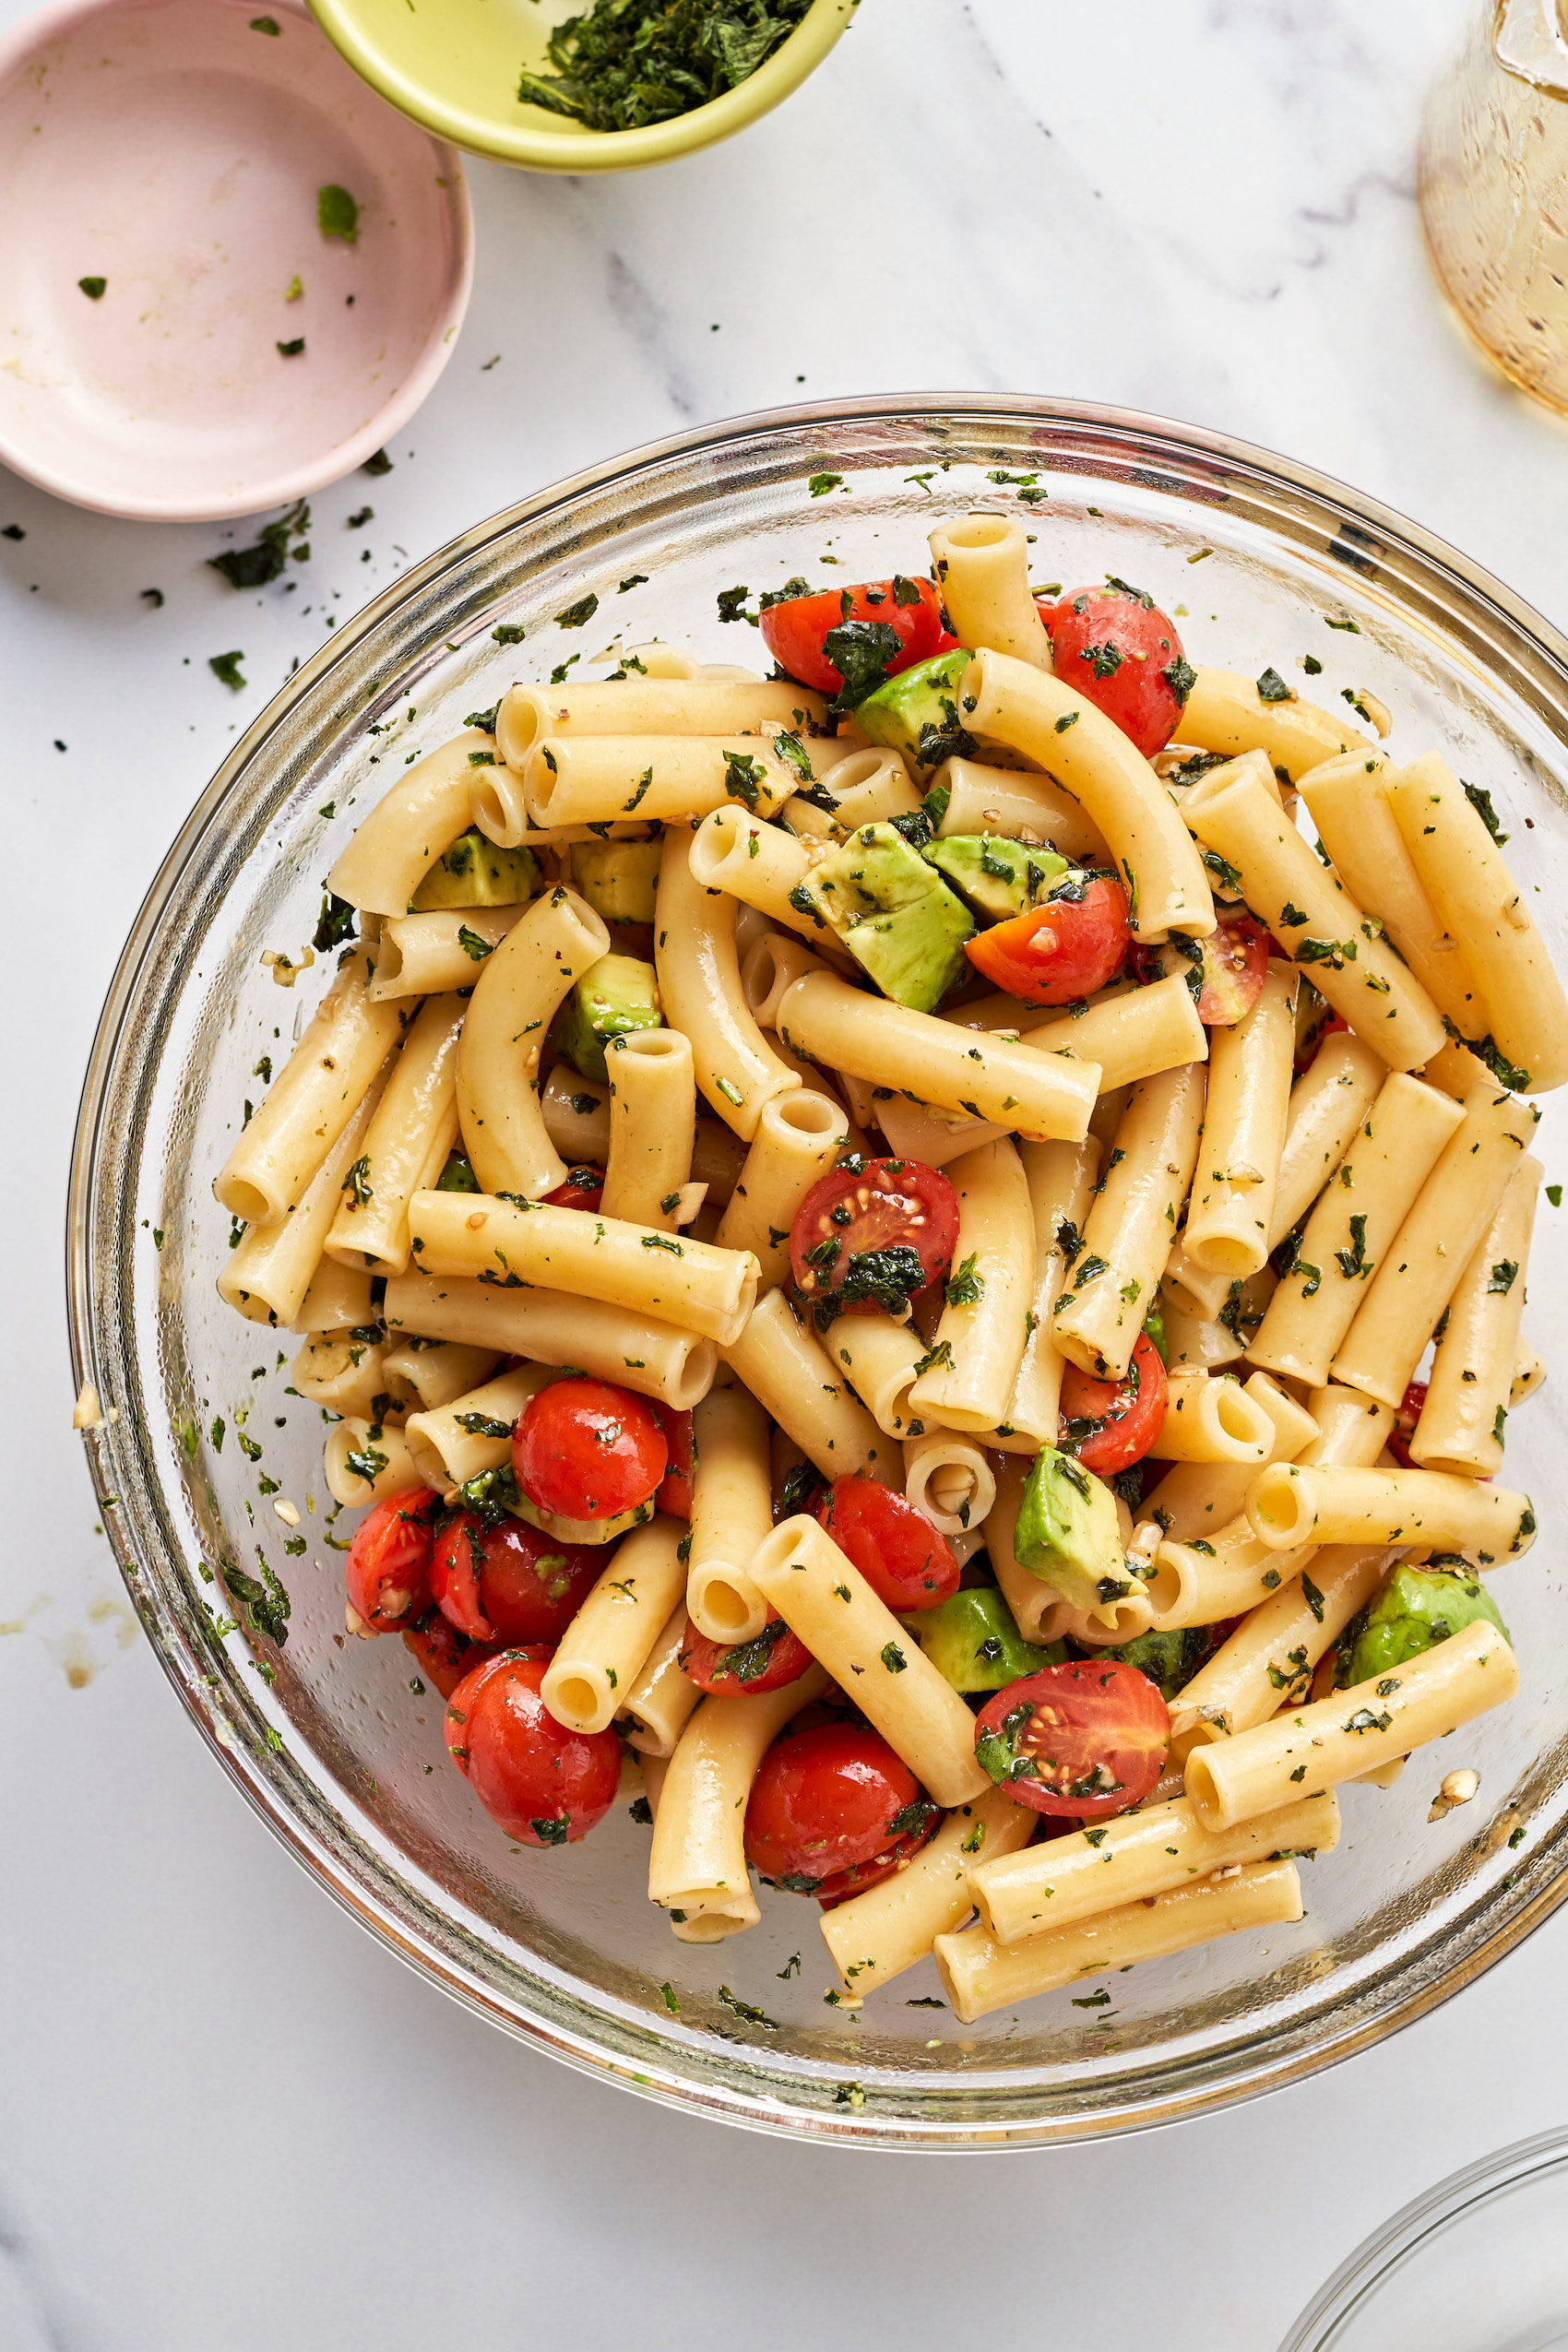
(544, 1784)
(736, 1670)
(1088, 1738)
(871, 1232)
(825, 1799)
(442, 1653)
(1061, 951)
(509, 1583)
(583, 1450)
(675, 1494)
(793, 631)
(388, 1564)
(1115, 646)
(584, 1188)
(1111, 1424)
(861, 1875)
(1404, 1421)
(1235, 959)
(903, 1559)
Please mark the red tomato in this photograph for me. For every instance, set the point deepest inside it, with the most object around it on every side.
(1131, 1412)
(389, 1566)
(871, 1232)
(582, 1450)
(510, 1582)
(793, 631)
(861, 1875)
(1061, 951)
(1404, 1421)
(584, 1188)
(1116, 647)
(1088, 1738)
(544, 1784)
(824, 1800)
(1311, 1039)
(739, 1669)
(442, 1653)
(894, 1547)
(675, 1494)
(1235, 967)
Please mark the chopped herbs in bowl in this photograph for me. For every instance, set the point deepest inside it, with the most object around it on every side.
(623, 64)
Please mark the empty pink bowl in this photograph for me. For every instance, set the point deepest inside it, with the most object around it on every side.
(180, 337)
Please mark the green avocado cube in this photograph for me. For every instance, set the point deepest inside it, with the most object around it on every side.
(1169, 1660)
(1414, 1608)
(1001, 878)
(895, 915)
(974, 1642)
(618, 878)
(1067, 1532)
(917, 713)
(616, 995)
(474, 872)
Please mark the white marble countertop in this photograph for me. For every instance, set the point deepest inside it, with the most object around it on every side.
(226, 2117)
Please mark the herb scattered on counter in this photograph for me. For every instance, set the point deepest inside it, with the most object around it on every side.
(294, 290)
(266, 24)
(15, 531)
(365, 515)
(378, 462)
(226, 666)
(94, 288)
(623, 63)
(336, 214)
(292, 350)
(248, 567)
(152, 599)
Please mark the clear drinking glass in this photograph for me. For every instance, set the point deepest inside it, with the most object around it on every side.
(1493, 186)
(335, 1751)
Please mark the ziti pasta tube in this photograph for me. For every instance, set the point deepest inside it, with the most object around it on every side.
(699, 982)
(792, 1380)
(608, 1642)
(653, 705)
(698, 1862)
(979, 1340)
(876, 1936)
(732, 1513)
(514, 1001)
(1290, 1503)
(552, 1327)
(653, 1108)
(1225, 712)
(410, 828)
(1460, 1427)
(983, 567)
(1127, 1238)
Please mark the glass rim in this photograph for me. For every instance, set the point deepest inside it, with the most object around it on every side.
(1529, 654)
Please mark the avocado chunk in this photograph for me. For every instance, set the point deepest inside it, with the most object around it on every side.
(974, 1642)
(1169, 1660)
(1067, 1532)
(895, 916)
(1000, 878)
(916, 712)
(458, 1174)
(618, 878)
(1415, 1608)
(474, 872)
(616, 995)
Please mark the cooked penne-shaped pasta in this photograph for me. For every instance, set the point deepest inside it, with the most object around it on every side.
(1196, 1497)
(979, 1974)
(664, 703)
(698, 1862)
(1225, 712)
(1212, 1420)
(732, 1513)
(608, 1342)
(576, 1118)
(979, 1340)
(1466, 877)
(949, 1477)
(1422, 1265)
(1292, 1503)
(1007, 702)
(453, 1442)
(1134, 1857)
(653, 1108)
(659, 1704)
(338, 1298)
(1350, 1231)
(793, 1379)
(430, 954)
(405, 1145)
(799, 1136)
(1245, 1114)
(763, 867)
(512, 1006)
(604, 1649)
(822, 1597)
(699, 980)
(879, 1358)
(311, 1101)
(364, 1462)
(1128, 1235)
(1060, 1180)
(595, 779)
(973, 798)
(344, 1373)
(1301, 902)
(1040, 1093)
(435, 1373)
(870, 788)
(1460, 1427)
(983, 567)
(268, 1278)
(1354, 1731)
(876, 1936)
(1132, 1035)
(410, 828)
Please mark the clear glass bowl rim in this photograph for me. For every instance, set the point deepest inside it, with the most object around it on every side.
(1536, 656)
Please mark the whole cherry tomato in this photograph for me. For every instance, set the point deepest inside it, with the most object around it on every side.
(903, 1559)
(544, 1784)
(795, 631)
(825, 1800)
(675, 1494)
(1114, 646)
(388, 1564)
(443, 1654)
(736, 1670)
(1086, 1738)
(583, 1450)
(509, 1583)
(1111, 1424)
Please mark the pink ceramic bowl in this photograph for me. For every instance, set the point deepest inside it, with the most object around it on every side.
(170, 154)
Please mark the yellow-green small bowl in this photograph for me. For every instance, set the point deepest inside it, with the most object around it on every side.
(453, 65)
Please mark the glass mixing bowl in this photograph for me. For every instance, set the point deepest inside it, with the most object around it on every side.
(337, 1752)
